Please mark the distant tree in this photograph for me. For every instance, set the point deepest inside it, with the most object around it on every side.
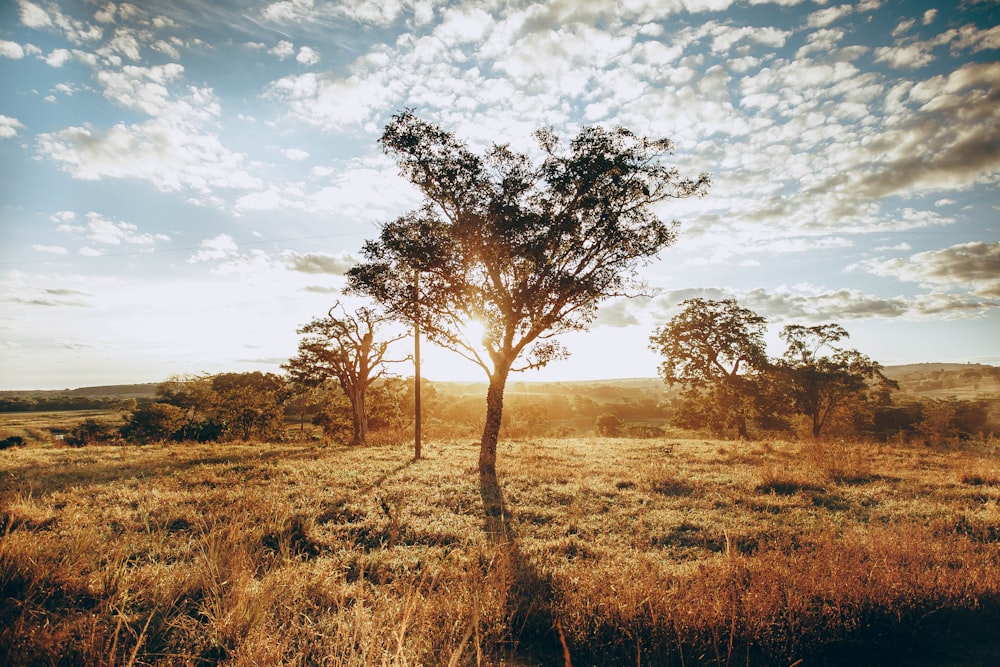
(609, 425)
(153, 422)
(715, 350)
(195, 396)
(823, 378)
(342, 347)
(228, 406)
(527, 249)
(250, 405)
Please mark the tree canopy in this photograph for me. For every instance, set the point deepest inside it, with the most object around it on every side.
(343, 347)
(528, 248)
(714, 349)
(822, 377)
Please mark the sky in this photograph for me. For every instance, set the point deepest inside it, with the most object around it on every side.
(185, 182)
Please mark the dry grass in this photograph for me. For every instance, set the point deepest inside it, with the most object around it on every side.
(651, 552)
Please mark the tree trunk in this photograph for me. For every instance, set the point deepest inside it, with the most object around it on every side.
(491, 430)
(359, 418)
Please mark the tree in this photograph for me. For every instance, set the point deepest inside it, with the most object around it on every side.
(251, 405)
(823, 378)
(714, 349)
(153, 422)
(526, 249)
(342, 347)
(240, 406)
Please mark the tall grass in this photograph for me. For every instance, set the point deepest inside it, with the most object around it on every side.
(651, 552)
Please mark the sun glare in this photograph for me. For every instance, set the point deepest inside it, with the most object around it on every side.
(474, 332)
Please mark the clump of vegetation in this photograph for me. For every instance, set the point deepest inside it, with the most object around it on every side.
(657, 552)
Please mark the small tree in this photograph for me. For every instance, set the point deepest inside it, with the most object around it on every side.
(823, 378)
(342, 347)
(714, 349)
(526, 249)
(153, 422)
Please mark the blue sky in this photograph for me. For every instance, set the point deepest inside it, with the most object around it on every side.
(186, 181)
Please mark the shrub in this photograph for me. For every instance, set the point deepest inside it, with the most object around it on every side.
(12, 441)
(90, 432)
(609, 425)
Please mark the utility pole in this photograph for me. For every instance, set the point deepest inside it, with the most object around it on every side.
(416, 364)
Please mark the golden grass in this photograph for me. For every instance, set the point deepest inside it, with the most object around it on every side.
(647, 552)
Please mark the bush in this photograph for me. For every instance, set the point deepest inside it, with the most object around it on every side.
(609, 425)
(90, 432)
(12, 441)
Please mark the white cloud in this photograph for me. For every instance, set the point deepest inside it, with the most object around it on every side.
(58, 57)
(33, 16)
(216, 248)
(295, 154)
(910, 56)
(335, 103)
(143, 88)
(172, 150)
(51, 249)
(9, 127)
(287, 10)
(11, 50)
(166, 48)
(824, 17)
(307, 56)
(282, 49)
(903, 27)
(100, 229)
(929, 16)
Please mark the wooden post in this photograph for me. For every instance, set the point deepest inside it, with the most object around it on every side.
(416, 365)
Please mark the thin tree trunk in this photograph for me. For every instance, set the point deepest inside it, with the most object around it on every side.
(491, 430)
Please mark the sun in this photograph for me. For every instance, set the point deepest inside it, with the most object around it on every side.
(474, 331)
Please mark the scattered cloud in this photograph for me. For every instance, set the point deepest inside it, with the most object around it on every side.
(319, 262)
(9, 127)
(216, 248)
(33, 16)
(98, 229)
(972, 267)
(307, 56)
(51, 249)
(11, 50)
(282, 49)
(295, 154)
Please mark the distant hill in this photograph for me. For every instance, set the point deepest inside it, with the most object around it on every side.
(926, 380)
(935, 380)
(146, 390)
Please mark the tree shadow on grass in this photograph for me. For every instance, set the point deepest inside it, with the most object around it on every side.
(530, 596)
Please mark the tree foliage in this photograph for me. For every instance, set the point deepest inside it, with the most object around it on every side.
(823, 378)
(227, 406)
(342, 347)
(715, 350)
(527, 248)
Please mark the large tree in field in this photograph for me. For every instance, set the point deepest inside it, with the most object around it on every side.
(343, 347)
(714, 349)
(823, 377)
(527, 248)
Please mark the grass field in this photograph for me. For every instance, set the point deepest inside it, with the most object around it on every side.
(586, 552)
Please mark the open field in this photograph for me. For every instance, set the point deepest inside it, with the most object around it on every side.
(588, 551)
